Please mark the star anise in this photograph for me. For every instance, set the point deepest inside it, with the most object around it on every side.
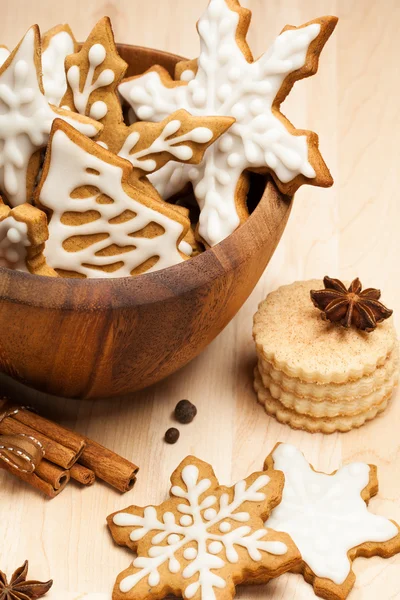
(350, 306)
(19, 588)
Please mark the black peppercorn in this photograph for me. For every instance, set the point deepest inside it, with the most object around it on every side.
(172, 435)
(185, 411)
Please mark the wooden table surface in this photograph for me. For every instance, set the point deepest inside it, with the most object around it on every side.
(350, 230)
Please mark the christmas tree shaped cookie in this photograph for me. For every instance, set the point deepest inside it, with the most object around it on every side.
(204, 540)
(104, 221)
(227, 81)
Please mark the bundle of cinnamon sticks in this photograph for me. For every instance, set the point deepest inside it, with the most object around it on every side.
(66, 455)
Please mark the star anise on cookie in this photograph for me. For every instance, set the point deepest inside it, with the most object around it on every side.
(350, 306)
(19, 588)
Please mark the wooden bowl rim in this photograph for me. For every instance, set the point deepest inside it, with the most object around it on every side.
(158, 286)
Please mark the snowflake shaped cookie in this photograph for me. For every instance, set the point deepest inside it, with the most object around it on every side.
(26, 119)
(4, 54)
(204, 540)
(57, 43)
(328, 519)
(93, 75)
(23, 233)
(227, 81)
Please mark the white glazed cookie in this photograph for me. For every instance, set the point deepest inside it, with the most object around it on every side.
(204, 540)
(57, 44)
(26, 118)
(4, 54)
(103, 221)
(328, 519)
(23, 233)
(227, 81)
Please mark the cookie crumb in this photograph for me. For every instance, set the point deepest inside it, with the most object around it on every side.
(185, 412)
(172, 435)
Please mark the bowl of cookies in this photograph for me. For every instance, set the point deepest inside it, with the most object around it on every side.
(143, 196)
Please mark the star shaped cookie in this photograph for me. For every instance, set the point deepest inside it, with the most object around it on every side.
(227, 81)
(329, 521)
(204, 540)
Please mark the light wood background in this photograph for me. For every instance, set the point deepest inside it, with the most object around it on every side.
(350, 230)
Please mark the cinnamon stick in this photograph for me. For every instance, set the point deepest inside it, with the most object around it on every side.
(82, 474)
(36, 482)
(52, 474)
(54, 451)
(108, 466)
(52, 430)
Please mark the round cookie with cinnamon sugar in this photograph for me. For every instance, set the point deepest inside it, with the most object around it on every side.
(291, 336)
(329, 374)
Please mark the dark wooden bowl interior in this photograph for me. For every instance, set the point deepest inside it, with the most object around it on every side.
(101, 338)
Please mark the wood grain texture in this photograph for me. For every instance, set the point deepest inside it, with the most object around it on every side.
(349, 230)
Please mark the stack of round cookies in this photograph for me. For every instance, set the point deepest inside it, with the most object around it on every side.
(317, 375)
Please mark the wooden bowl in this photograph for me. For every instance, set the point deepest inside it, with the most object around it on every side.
(99, 338)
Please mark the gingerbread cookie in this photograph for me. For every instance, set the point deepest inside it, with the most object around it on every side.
(4, 54)
(57, 44)
(325, 422)
(23, 233)
(315, 375)
(227, 81)
(205, 539)
(103, 221)
(26, 118)
(93, 75)
(328, 519)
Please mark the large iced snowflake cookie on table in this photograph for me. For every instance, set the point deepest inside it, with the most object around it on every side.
(205, 539)
(26, 118)
(328, 518)
(104, 221)
(226, 80)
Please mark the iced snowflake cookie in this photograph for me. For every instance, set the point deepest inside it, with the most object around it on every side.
(93, 75)
(23, 233)
(328, 519)
(205, 539)
(26, 119)
(315, 375)
(4, 54)
(227, 81)
(57, 43)
(103, 220)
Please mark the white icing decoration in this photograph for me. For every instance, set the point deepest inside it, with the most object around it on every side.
(4, 54)
(206, 552)
(25, 119)
(325, 514)
(164, 143)
(53, 58)
(185, 248)
(13, 243)
(188, 75)
(58, 198)
(96, 56)
(227, 84)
